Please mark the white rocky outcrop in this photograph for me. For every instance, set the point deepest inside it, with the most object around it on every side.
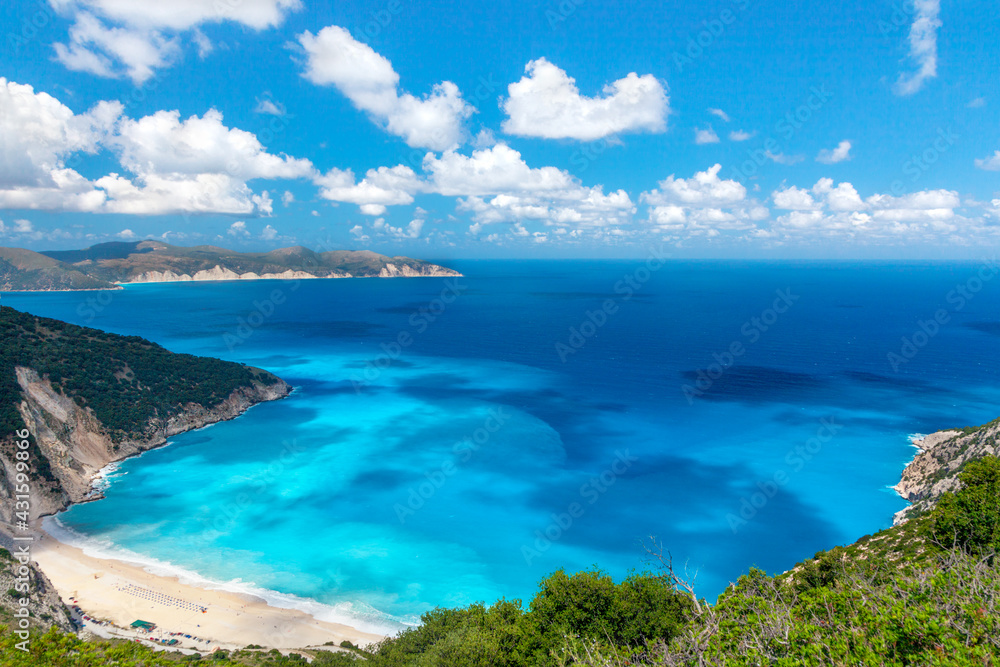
(934, 470)
(221, 274)
(390, 270)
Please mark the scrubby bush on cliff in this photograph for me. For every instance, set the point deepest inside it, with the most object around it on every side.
(948, 614)
(923, 593)
(584, 607)
(876, 611)
(125, 380)
(55, 649)
(970, 518)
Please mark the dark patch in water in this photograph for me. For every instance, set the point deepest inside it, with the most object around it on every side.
(328, 329)
(586, 438)
(349, 328)
(756, 384)
(612, 407)
(624, 516)
(437, 384)
(403, 310)
(194, 440)
(991, 328)
(280, 360)
(877, 380)
(568, 296)
(395, 363)
(384, 478)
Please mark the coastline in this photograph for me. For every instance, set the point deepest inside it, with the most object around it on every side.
(917, 442)
(118, 286)
(98, 481)
(120, 590)
(925, 476)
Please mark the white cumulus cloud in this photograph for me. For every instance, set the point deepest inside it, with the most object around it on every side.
(498, 185)
(546, 103)
(238, 228)
(491, 171)
(990, 163)
(705, 188)
(705, 136)
(269, 107)
(435, 121)
(702, 205)
(841, 198)
(794, 199)
(38, 133)
(158, 194)
(195, 166)
(926, 205)
(719, 113)
(385, 186)
(839, 154)
(162, 143)
(923, 47)
(113, 38)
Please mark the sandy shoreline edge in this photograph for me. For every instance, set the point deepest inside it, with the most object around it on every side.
(122, 592)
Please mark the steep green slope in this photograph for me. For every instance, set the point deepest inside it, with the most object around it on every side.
(56, 649)
(926, 592)
(118, 393)
(946, 454)
(105, 265)
(125, 380)
(25, 270)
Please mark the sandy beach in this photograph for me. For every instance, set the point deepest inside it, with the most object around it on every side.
(121, 592)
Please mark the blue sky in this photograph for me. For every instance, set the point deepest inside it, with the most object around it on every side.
(739, 128)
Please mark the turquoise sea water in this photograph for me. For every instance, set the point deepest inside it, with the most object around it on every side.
(454, 442)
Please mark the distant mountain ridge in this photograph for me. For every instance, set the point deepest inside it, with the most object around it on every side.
(109, 265)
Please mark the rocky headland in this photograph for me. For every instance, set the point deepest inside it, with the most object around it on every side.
(941, 457)
(110, 265)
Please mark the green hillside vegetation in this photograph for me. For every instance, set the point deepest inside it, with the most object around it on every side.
(363, 262)
(126, 260)
(105, 264)
(57, 649)
(926, 592)
(26, 270)
(126, 381)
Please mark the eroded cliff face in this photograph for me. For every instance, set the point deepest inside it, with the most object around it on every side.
(77, 445)
(44, 604)
(421, 271)
(220, 273)
(934, 471)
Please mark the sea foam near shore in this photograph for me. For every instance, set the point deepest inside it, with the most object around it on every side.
(363, 509)
(356, 615)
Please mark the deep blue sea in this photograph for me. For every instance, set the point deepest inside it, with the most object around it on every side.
(451, 442)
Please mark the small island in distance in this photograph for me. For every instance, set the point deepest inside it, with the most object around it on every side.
(110, 265)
